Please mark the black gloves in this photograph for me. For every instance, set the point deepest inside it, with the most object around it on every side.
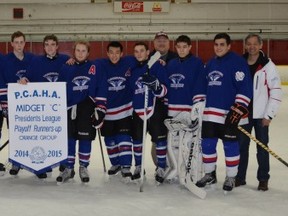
(152, 82)
(4, 107)
(237, 111)
(98, 117)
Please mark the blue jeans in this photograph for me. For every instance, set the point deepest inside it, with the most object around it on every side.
(261, 134)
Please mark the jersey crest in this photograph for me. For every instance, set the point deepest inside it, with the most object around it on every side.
(176, 80)
(214, 78)
(20, 73)
(116, 83)
(51, 76)
(81, 83)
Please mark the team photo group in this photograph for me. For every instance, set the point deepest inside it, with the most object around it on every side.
(186, 106)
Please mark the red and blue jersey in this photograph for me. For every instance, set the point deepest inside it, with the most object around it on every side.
(119, 97)
(84, 80)
(228, 82)
(45, 69)
(186, 84)
(13, 69)
(138, 89)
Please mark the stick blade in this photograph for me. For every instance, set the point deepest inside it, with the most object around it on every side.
(153, 59)
(199, 192)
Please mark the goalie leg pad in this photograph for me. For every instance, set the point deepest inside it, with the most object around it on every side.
(172, 154)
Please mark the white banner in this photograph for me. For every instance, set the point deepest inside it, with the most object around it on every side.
(37, 125)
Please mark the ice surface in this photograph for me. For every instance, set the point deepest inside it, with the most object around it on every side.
(25, 195)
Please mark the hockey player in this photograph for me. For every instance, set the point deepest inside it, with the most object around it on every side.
(84, 82)
(15, 65)
(117, 123)
(45, 68)
(267, 95)
(186, 77)
(155, 115)
(229, 91)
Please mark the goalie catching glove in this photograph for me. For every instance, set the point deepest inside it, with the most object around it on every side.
(153, 83)
(237, 111)
(98, 117)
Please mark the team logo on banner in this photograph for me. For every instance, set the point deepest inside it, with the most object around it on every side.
(38, 155)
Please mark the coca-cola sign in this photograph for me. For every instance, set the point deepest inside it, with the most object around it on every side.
(130, 6)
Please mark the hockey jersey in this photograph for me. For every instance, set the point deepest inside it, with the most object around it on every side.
(45, 69)
(84, 80)
(228, 82)
(119, 97)
(13, 70)
(138, 89)
(186, 84)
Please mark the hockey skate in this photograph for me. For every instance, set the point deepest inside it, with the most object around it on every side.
(84, 175)
(65, 175)
(137, 174)
(62, 168)
(159, 175)
(14, 170)
(126, 174)
(208, 179)
(229, 184)
(114, 170)
(2, 169)
(42, 175)
(49, 173)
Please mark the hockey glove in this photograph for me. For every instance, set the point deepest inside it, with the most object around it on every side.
(237, 111)
(4, 107)
(152, 82)
(98, 117)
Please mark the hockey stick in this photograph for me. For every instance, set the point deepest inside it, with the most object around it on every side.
(262, 145)
(99, 135)
(4, 145)
(150, 63)
(101, 149)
